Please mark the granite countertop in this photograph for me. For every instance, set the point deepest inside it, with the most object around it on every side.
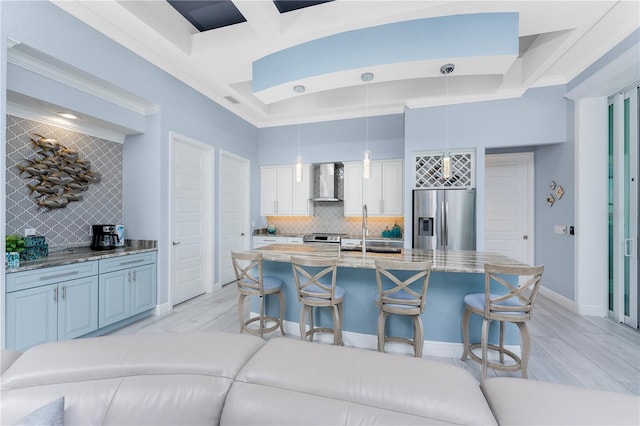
(442, 261)
(67, 256)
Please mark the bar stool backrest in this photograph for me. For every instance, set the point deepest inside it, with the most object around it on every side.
(517, 303)
(248, 269)
(387, 269)
(311, 286)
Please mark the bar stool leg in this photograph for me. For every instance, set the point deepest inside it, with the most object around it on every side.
(418, 336)
(501, 342)
(465, 333)
(382, 318)
(241, 311)
(484, 343)
(281, 297)
(525, 346)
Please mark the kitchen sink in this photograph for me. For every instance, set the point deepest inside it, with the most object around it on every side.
(373, 249)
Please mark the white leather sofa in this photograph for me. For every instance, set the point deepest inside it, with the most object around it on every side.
(233, 379)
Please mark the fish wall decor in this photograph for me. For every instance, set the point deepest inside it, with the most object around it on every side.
(56, 174)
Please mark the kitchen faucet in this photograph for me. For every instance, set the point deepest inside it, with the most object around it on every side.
(365, 228)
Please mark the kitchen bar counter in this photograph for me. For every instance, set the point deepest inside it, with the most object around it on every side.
(454, 275)
(67, 256)
(442, 261)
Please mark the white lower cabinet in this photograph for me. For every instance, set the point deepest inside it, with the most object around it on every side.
(127, 287)
(46, 305)
(258, 241)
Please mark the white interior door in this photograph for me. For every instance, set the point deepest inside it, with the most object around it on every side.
(191, 216)
(509, 205)
(234, 210)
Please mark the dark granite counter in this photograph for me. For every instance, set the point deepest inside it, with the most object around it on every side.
(66, 256)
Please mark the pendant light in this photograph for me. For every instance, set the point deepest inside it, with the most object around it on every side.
(366, 160)
(299, 89)
(446, 156)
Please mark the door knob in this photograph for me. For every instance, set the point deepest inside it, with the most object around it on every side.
(242, 234)
(175, 244)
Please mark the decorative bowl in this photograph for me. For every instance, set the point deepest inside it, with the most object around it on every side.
(271, 229)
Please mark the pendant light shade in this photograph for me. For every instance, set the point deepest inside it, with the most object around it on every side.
(366, 165)
(446, 165)
(446, 156)
(298, 89)
(366, 160)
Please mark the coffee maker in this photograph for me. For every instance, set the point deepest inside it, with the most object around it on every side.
(104, 237)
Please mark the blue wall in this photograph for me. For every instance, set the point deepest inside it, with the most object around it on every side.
(43, 26)
(339, 140)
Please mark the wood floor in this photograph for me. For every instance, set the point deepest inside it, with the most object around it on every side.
(590, 352)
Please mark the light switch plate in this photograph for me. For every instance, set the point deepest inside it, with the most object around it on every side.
(559, 229)
(29, 231)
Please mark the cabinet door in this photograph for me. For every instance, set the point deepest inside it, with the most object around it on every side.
(353, 189)
(77, 307)
(284, 191)
(373, 189)
(268, 190)
(114, 297)
(32, 317)
(143, 288)
(302, 192)
(392, 188)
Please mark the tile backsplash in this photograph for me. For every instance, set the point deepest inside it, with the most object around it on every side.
(101, 203)
(329, 217)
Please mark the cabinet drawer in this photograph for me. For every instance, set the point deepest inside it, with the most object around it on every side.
(127, 261)
(56, 274)
(295, 240)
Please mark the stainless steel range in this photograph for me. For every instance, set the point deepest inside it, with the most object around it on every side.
(321, 237)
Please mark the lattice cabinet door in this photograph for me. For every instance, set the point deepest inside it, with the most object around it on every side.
(428, 170)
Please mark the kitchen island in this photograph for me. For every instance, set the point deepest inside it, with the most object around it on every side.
(455, 273)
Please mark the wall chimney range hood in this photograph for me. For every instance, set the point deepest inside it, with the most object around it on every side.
(327, 189)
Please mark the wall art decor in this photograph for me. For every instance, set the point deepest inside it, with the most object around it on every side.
(550, 200)
(55, 174)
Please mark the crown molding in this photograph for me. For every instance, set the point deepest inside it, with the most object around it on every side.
(53, 69)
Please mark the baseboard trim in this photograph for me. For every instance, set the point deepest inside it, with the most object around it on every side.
(162, 309)
(370, 341)
(558, 299)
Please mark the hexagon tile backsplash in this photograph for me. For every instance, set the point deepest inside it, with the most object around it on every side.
(101, 203)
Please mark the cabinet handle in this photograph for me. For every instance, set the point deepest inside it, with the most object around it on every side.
(51, 277)
(135, 276)
(131, 262)
(64, 292)
(55, 294)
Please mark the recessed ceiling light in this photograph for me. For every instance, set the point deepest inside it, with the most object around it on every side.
(68, 115)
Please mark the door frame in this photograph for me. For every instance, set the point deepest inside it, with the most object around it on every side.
(246, 244)
(209, 215)
(530, 158)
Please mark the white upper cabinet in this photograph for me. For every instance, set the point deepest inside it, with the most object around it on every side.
(281, 195)
(383, 191)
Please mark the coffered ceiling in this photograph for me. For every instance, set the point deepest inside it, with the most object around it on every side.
(553, 42)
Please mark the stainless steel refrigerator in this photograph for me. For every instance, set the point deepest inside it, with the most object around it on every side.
(444, 219)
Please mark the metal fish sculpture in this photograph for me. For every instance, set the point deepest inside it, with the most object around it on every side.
(85, 164)
(72, 196)
(45, 143)
(68, 154)
(53, 202)
(34, 169)
(58, 178)
(61, 176)
(78, 185)
(45, 189)
(92, 177)
(72, 168)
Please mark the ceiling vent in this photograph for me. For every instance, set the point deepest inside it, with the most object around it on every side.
(232, 99)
